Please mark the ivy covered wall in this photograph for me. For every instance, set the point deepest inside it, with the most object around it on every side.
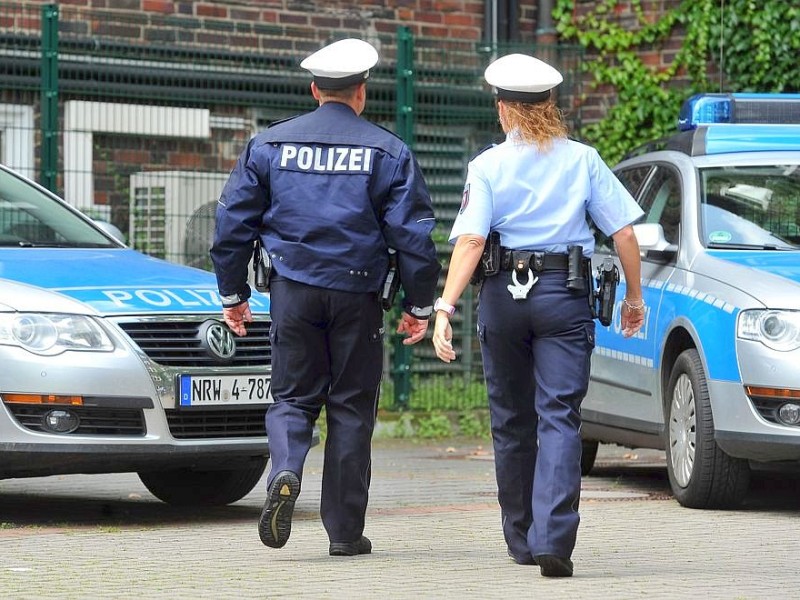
(644, 57)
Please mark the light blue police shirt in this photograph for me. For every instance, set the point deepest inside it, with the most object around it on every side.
(540, 200)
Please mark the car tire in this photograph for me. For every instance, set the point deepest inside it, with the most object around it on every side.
(191, 487)
(701, 475)
(588, 455)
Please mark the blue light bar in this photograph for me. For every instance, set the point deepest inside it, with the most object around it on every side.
(706, 109)
(724, 139)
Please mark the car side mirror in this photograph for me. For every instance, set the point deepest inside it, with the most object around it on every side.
(110, 229)
(652, 243)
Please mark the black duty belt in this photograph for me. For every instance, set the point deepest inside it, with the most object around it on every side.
(536, 261)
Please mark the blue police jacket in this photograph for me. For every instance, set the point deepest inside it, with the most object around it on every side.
(329, 193)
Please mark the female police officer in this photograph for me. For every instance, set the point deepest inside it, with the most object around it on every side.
(536, 190)
(328, 193)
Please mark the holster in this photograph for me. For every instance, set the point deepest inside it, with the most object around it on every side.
(392, 282)
(489, 264)
(605, 294)
(262, 267)
(577, 270)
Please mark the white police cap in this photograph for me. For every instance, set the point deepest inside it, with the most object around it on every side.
(341, 64)
(522, 78)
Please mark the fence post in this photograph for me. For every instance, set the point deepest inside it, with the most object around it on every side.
(405, 85)
(49, 156)
(401, 361)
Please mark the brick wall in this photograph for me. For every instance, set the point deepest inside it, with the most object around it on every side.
(241, 23)
(251, 25)
(656, 56)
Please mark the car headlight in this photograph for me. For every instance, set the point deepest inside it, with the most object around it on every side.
(50, 334)
(776, 329)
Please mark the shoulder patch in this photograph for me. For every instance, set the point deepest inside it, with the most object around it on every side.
(464, 199)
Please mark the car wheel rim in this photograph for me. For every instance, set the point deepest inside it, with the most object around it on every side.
(683, 431)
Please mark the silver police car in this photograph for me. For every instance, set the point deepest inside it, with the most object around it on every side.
(713, 377)
(113, 361)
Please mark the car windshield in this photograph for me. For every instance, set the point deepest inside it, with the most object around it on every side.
(751, 207)
(31, 218)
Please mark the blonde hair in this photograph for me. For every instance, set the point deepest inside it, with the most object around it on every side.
(537, 124)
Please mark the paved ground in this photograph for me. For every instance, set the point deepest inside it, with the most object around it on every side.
(435, 528)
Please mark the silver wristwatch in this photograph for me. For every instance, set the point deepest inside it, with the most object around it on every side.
(420, 312)
(231, 300)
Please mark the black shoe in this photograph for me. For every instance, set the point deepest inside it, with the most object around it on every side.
(275, 523)
(360, 546)
(554, 566)
(526, 559)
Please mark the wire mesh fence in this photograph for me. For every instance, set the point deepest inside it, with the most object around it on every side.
(148, 113)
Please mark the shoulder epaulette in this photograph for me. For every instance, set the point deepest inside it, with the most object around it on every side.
(482, 150)
(279, 121)
(390, 131)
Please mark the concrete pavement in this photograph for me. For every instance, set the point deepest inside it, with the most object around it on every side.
(435, 528)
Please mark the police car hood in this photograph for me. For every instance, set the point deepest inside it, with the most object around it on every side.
(112, 281)
(770, 277)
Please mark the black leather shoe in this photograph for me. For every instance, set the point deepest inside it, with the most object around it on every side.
(360, 546)
(275, 523)
(554, 566)
(526, 559)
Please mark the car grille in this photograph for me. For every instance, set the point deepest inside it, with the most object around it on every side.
(177, 343)
(94, 420)
(212, 423)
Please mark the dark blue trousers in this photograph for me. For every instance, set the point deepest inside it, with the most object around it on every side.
(327, 351)
(536, 355)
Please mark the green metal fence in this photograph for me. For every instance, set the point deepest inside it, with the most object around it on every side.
(137, 119)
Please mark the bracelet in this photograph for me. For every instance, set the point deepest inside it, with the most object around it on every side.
(630, 306)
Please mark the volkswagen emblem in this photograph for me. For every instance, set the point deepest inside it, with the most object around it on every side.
(218, 341)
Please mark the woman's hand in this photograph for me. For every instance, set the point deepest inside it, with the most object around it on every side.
(443, 337)
(632, 315)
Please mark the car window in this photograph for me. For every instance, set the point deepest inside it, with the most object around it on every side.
(661, 202)
(29, 217)
(755, 206)
(632, 179)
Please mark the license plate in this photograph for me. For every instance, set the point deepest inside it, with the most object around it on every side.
(223, 390)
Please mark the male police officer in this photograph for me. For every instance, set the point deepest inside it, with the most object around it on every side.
(328, 193)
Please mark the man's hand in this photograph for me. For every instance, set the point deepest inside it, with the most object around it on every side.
(413, 327)
(237, 316)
